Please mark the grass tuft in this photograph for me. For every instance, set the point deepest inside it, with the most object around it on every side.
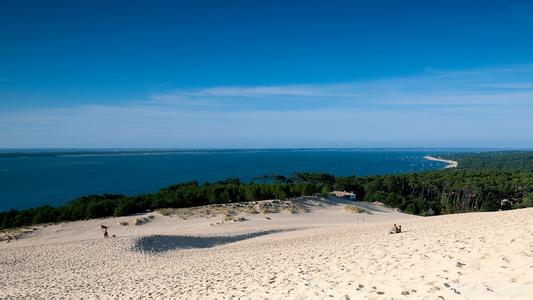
(355, 209)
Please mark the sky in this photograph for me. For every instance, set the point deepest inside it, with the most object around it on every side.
(266, 74)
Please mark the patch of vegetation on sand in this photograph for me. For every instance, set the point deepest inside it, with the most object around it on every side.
(230, 218)
(15, 234)
(142, 221)
(293, 206)
(355, 209)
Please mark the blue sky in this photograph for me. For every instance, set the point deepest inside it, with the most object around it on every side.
(237, 74)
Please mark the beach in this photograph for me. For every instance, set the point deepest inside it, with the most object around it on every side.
(316, 248)
(450, 163)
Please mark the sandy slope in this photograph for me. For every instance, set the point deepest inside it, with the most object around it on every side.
(327, 253)
(450, 163)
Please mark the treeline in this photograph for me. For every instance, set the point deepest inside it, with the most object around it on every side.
(182, 195)
(475, 186)
(495, 160)
(451, 191)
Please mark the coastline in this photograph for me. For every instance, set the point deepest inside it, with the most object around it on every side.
(451, 163)
(179, 167)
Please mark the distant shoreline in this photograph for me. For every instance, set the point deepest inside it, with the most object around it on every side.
(451, 163)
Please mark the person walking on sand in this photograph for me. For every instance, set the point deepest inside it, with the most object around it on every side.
(106, 234)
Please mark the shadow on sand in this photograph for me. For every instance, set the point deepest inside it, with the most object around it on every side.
(164, 243)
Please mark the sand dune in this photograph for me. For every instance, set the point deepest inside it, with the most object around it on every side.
(450, 163)
(328, 252)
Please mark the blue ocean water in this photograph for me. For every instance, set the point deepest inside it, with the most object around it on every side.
(38, 177)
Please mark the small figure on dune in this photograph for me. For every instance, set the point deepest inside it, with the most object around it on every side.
(393, 229)
(104, 228)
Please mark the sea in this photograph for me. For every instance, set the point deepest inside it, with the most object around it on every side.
(30, 178)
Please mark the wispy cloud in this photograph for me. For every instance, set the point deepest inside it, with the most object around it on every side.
(484, 107)
(480, 87)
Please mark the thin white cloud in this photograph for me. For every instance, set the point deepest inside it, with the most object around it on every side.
(148, 126)
(511, 85)
(261, 91)
(478, 108)
(489, 86)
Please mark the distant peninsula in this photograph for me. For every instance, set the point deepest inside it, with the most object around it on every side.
(450, 163)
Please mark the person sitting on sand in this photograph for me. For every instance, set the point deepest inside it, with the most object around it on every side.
(399, 229)
(393, 229)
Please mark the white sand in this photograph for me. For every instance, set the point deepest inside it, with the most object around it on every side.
(450, 163)
(333, 253)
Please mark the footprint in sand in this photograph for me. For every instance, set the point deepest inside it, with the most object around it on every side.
(433, 289)
(488, 287)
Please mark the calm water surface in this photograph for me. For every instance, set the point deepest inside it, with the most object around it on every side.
(32, 178)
